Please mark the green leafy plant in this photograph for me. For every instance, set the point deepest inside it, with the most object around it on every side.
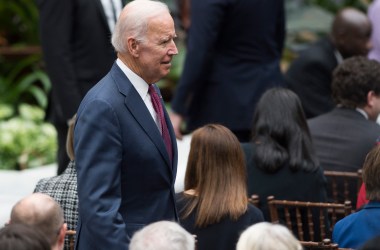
(24, 81)
(334, 5)
(19, 22)
(25, 140)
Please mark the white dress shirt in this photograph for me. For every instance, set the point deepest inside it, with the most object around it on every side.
(112, 12)
(142, 88)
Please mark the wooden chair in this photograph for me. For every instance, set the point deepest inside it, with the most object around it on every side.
(324, 244)
(300, 216)
(254, 200)
(71, 236)
(339, 185)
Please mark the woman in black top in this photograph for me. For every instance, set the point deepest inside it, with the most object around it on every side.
(280, 158)
(214, 205)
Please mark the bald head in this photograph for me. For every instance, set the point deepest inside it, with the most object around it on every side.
(40, 211)
(351, 32)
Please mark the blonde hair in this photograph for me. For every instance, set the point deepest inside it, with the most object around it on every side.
(216, 171)
(267, 236)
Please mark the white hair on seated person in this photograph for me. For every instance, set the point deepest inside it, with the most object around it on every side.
(162, 235)
(267, 236)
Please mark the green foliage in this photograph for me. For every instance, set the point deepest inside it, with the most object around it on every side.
(25, 140)
(24, 81)
(334, 5)
(19, 22)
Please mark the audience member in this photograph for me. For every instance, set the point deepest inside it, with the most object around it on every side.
(214, 205)
(343, 136)
(268, 236)
(280, 158)
(362, 200)
(162, 235)
(309, 76)
(357, 228)
(233, 56)
(374, 17)
(75, 39)
(22, 237)
(43, 213)
(63, 188)
(125, 147)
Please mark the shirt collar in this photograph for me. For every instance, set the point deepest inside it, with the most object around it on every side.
(361, 111)
(140, 85)
(338, 56)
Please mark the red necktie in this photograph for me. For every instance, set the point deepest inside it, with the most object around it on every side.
(160, 113)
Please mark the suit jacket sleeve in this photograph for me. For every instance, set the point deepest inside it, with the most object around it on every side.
(56, 29)
(98, 159)
(206, 22)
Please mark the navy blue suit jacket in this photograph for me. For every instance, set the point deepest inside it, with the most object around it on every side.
(77, 49)
(233, 53)
(310, 77)
(125, 176)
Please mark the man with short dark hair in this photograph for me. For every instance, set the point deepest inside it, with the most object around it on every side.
(343, 136)
(310, 75)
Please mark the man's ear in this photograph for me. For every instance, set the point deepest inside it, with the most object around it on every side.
(371, 98)
(62, 234)
(133, 46)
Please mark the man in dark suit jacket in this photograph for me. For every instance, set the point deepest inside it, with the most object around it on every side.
(343, 136)
(233, 54)
(75, 37)
(125, 170)
(309, 76)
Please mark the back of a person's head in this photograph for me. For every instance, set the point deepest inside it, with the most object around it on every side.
(214, 152)
(371, 174)
(134, 20)
(215, 157)
(162, 235)
(281, 133)
(350, 32)
(267, 236)
(41, 212)
(22, 237)
(278, 112)
(353, 80)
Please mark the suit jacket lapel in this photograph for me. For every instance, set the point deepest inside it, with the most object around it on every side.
(137, 107)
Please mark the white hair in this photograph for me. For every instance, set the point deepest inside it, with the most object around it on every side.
(133, 21)
(162, 235)
(267, 236)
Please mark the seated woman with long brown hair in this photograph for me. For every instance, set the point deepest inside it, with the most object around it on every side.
(214, 205)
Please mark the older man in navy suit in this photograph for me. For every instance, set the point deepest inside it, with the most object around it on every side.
(125, 147)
